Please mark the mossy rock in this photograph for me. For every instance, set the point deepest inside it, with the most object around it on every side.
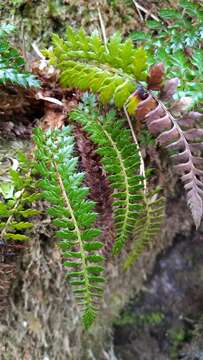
(38, 19)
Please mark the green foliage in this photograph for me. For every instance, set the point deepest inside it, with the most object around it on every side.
(147, 225)
(11, 62)
(14, 211)
(177, 337)
(177, 42)
(120, 158)
(114, 3)
(146, 319)
(86, 63)
(73, 215)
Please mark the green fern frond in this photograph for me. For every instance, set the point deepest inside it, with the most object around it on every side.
(73, 214)
(14, 213)
(110, 70)
(120, 158)
(147, 225)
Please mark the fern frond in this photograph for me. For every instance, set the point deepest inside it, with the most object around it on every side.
(183, 147)
(120, 158)
(87, 64)
(14, 213)
(100, 189)
(73, 214)
(147, 225)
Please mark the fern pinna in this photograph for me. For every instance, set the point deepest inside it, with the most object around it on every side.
(120, 158)
(147, 225)
(86, 63)
(73, 214)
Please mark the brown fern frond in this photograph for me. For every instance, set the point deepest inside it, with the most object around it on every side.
(97, 181)
(182, 146)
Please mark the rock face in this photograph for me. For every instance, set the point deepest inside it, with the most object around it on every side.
(165, 320)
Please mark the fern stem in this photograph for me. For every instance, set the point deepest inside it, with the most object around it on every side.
(142, 165)
(138, 10)
(67, 202)
(102, 28)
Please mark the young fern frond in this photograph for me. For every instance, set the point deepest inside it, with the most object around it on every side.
(73, 214)
(120, 158)
(147, 225)
(15, 211)
(85, 63)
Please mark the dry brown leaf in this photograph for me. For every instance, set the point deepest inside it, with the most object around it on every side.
(155, 77)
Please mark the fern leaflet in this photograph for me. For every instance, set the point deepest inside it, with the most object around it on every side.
(73, 214)
(87, 64)
(120, 159)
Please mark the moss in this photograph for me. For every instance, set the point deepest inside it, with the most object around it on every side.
(39, 18)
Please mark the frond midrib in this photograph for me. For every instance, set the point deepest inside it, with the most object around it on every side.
(77, 229)
(106, 67)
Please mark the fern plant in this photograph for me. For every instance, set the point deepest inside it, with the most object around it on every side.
(73, 214)
(16, 209)
(11, 62)
(112, 70)
(179, 46)
(86, 63)
(120, 158)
